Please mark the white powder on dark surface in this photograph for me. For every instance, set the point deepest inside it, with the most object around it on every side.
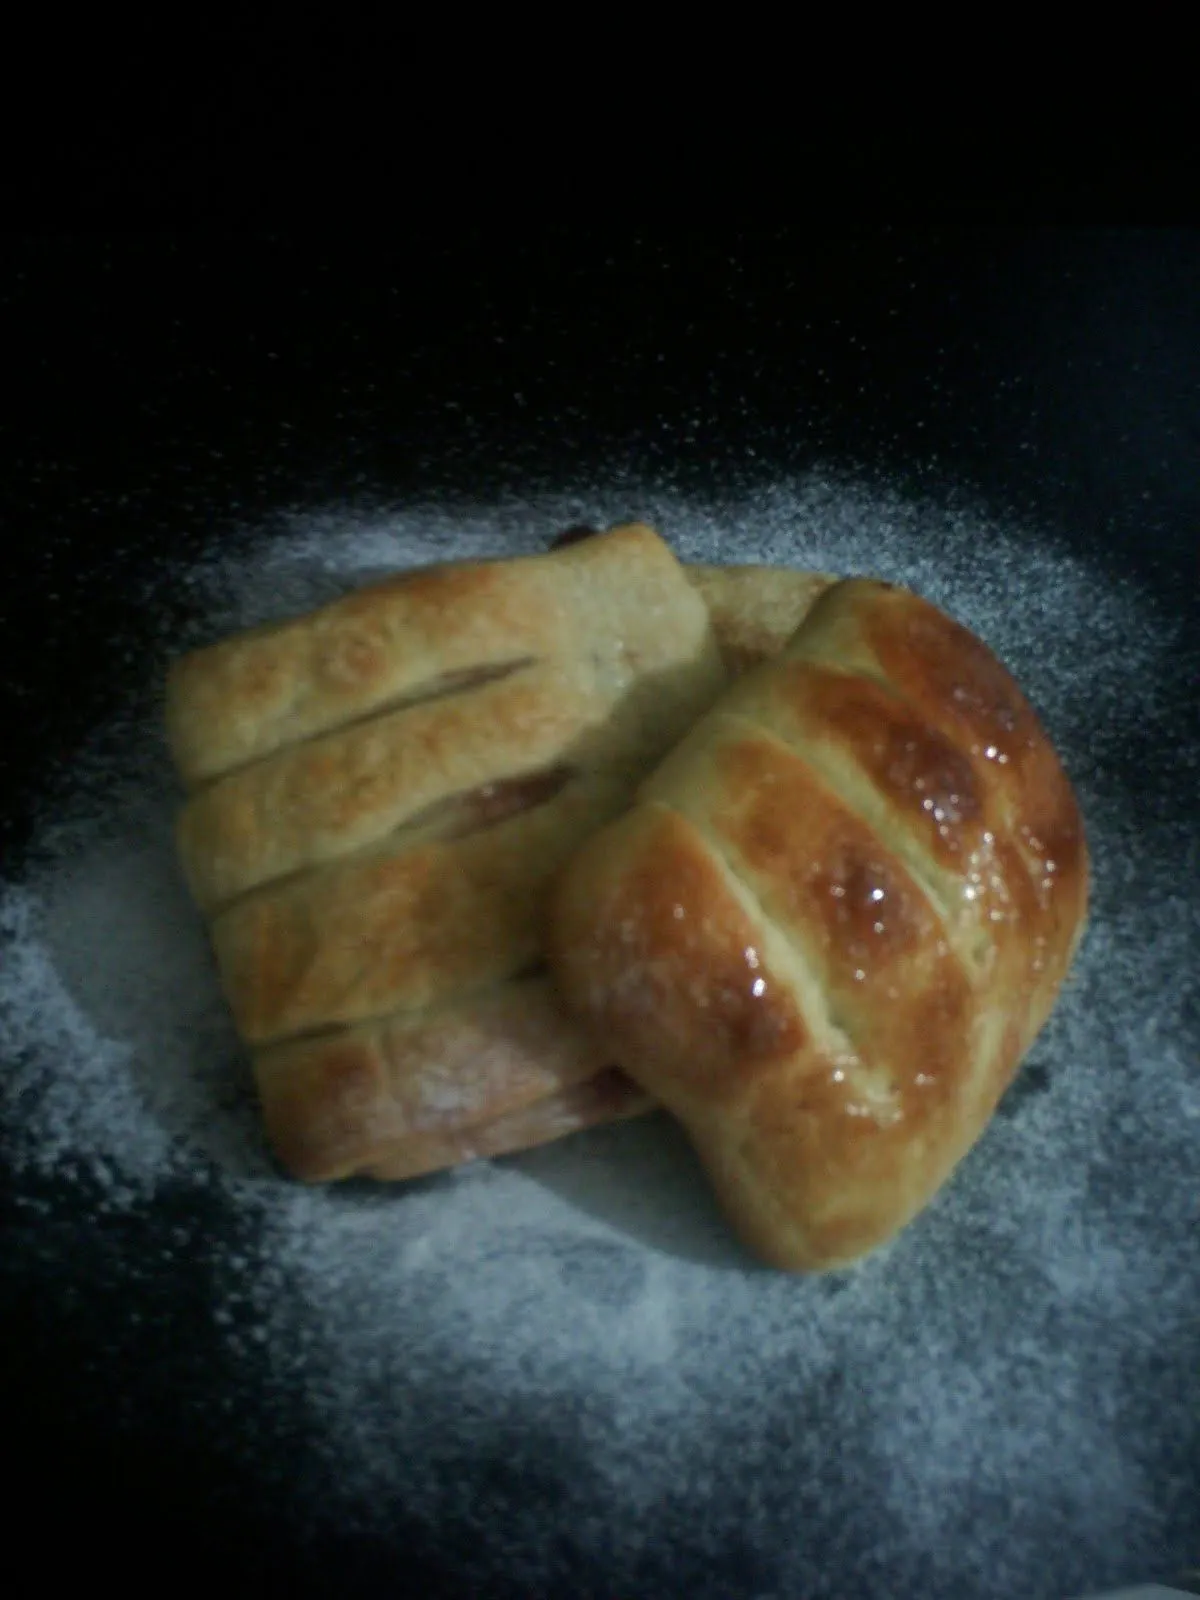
(1003, 1402)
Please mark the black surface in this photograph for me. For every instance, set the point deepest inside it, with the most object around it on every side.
(159, 391)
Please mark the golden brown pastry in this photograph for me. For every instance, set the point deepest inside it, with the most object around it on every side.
(445, 764)
(420, 1090)
(403, 925)
(382, 793)
(835, 921)
(511, 1046)
(610, 613)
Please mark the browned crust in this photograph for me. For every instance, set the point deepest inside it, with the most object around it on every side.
(835, 922)
(404, 639)
(347, 1100)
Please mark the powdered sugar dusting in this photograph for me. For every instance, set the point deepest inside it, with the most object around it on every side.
(967, 1412)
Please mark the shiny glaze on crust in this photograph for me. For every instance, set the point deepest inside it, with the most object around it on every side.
(870, 843)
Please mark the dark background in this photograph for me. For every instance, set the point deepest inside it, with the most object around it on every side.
(157, 390)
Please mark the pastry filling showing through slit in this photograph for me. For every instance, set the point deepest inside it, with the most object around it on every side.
(493, 803)
(443, 687)
(455, 817)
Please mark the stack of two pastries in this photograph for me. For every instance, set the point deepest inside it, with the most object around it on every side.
(491, 852)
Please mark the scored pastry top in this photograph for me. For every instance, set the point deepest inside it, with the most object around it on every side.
(617, 602)
(381, 793)
(835, 920)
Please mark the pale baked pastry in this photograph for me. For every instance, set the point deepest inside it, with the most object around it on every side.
(485, 1074)
(382, 792)
(834, 922)
(755, 610)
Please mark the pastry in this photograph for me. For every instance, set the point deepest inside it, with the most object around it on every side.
(834, 921)
(361, 781)
(485, 1074)
(755, 610)
(382, 792)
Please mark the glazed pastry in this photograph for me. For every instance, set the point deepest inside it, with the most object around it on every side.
(834, 922)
